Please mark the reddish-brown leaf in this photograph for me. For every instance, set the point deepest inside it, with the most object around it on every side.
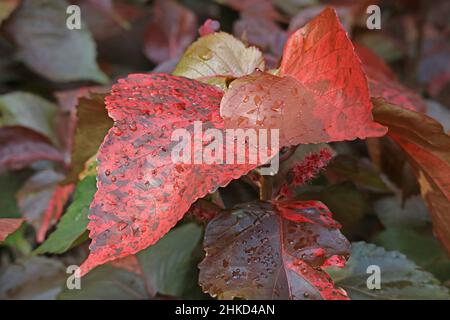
(265, 34)
(322, 95)
(274, 250)
(6, 8)
(384, 84)
(142, 193)
(203, 211)
(173, 28)
(35, 195)
(20, 147)
(262, 8)
(8, 226)
(92, 124)
(107, 18)
(427, 148)
(54, 209)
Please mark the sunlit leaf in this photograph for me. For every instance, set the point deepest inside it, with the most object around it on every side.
(218, 54)
(7, 7)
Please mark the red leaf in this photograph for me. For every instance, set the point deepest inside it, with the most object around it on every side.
(322, 95)
(142, 193)
(8, 226)
(427, 148)
(54, 209)
(276, 250)
(383, 82)
(173, 28)
(20, 147)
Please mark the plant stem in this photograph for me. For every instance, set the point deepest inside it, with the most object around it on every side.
(265, 191)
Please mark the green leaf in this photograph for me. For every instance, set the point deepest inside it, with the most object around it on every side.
(48, 47)
(396, 212)
(218, 54)
(108, 283)
(400, 277)
(10, 183)
(74, 222)
(30, 111)
(423, 248)
(170, 266)
(18, 241)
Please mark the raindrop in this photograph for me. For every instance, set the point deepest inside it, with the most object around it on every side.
(132, 126)
(257, 99)
(180, 106)
(205, 54)
(122, 225)
(117, 131)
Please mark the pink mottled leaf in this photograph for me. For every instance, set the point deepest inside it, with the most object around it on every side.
(142, 191)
